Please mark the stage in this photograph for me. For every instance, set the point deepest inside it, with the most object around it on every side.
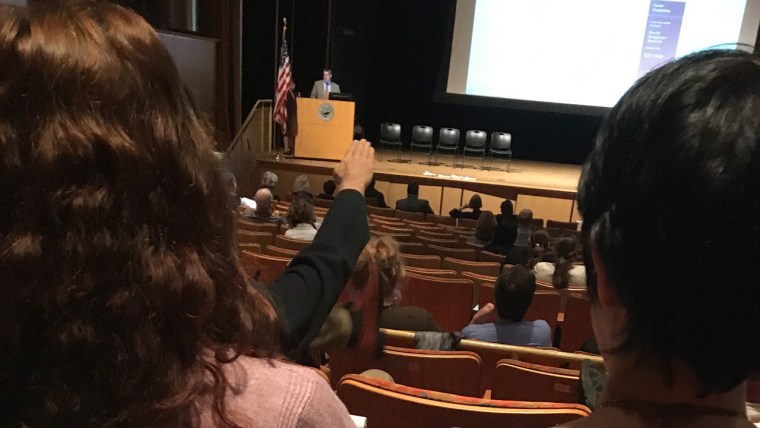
(549, 189)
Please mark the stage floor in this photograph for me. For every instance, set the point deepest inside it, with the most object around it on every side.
(524, 177)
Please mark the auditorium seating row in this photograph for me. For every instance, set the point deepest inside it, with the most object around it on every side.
(474, 369)
(475, 143)
(452, 295)
(485, 383)
(397, 218)
(388, 404)
(448, 280)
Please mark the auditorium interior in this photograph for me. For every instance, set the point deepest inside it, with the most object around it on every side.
(394, 59)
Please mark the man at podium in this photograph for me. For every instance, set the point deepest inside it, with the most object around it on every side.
(323, 88)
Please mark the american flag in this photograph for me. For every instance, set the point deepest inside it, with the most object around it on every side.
(284, 80)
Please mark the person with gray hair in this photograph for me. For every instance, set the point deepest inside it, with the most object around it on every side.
(268, 181)
(524, 227)
(301, 188)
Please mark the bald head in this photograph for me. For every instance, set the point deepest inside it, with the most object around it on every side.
(263, 199)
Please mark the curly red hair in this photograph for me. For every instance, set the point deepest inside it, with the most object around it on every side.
(122, 296)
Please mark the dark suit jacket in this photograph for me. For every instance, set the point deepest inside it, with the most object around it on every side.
(505, 234)
(413, 204)
(371, 192)
(306, 292)
(407, 318)
(292, 107)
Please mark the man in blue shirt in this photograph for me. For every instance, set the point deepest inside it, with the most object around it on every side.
(504, 323)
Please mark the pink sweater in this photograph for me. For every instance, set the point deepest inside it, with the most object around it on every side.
(270, 393)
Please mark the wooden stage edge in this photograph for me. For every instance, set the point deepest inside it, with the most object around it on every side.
(551, 180)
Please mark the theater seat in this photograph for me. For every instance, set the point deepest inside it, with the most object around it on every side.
(518, 380)
(387, 404)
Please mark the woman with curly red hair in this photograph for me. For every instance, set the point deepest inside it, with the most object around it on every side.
(122, 301)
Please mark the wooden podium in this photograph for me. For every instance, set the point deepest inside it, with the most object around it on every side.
(325, 128)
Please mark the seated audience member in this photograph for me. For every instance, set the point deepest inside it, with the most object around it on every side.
(563, 273)
(519, 254)
(234, 200)
(524, 227)
(328, 190)
(507, 215)
(385, 254)
(537, 251)
(506, 230)
(484, 230)
(264, 212)
(301, 187)
(302, 223)
(371, 192)
(412, 202)
(539, 248)
(504, 322)
(358, 132)
(123, 302)
(469, 210)
(269, 181)
(679, 338)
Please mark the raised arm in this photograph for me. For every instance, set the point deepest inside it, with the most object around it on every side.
(308, 289)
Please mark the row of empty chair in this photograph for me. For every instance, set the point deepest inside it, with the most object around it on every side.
(475, 143)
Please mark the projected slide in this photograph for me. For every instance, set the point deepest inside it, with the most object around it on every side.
(581, 52)
(661, 34)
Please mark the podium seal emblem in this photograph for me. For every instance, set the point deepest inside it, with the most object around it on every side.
(325, 112)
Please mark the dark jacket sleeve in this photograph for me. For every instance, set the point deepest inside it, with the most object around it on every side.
(428, 209)
(305, 293)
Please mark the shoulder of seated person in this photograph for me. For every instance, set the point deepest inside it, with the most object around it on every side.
(274, 386)
(256, 369)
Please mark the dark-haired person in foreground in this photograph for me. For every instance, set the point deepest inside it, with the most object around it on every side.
(123, 302)
(504, 322)
(679, 338)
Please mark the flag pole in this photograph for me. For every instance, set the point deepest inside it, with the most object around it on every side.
(276, 78)
(272, 134)
(281, 87)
